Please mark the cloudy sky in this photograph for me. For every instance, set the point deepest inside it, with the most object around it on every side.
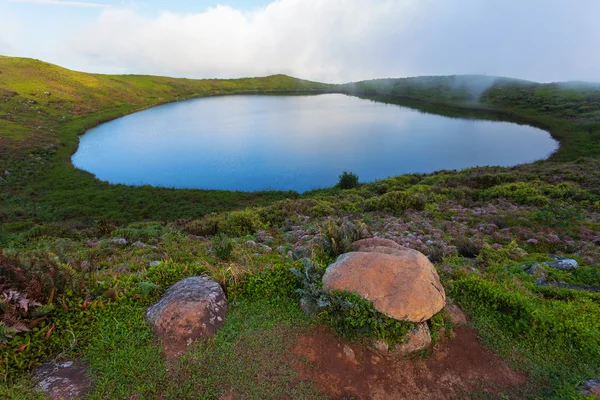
(326, 40)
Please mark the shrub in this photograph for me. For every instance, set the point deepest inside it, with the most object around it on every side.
(438, 324)
(41, 274)
(467, 247)
(148, 232)
(355, 318)
(520, 192)
(337, 239)
(489, 256)
(347, 180)
(397, 202)
(271, 284)
(241, 223)
(222, 247)
(562, 217)
(237, 223)
(312, 297)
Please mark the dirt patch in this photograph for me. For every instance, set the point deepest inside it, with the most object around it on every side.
(455, 368)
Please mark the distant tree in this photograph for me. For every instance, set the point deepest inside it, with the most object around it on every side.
(348, 180)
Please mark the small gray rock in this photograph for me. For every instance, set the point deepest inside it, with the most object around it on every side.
(63, 380)
(591, 388)
(120, 241)
(563, 264)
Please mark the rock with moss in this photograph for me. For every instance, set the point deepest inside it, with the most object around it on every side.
(416, 339)
(400, 283)
(191, 310)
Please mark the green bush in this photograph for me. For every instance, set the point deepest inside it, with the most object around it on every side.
(241, 223)
(149, 232)
(271, 284)
(222, 247)
(438, 324)
(557, 217)
(336, 239)
(236, 223)
(347, 180)
(355, 318)
(397, 202)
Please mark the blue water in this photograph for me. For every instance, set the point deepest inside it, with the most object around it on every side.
(296, 143)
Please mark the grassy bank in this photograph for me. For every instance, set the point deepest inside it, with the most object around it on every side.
(95, 255)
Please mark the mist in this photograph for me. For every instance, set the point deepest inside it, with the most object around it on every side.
(341, 40)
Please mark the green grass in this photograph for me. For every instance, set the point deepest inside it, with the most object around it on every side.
(248, 355)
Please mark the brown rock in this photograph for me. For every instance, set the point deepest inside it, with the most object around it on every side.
(63, 380)
(417, 339)
(403, 285)
(381, 346)
(191, 310)
(457, 316)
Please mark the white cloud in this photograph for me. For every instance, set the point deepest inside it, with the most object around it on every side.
(60, 3)
(345, 40)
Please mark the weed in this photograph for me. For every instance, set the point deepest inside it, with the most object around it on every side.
(222, 247)
(336, 238)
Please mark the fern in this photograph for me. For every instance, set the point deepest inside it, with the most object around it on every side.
(312, 296)
(337, 239)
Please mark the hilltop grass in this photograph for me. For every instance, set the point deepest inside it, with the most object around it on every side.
(482, 227)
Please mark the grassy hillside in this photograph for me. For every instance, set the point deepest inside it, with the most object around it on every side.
(95, 255)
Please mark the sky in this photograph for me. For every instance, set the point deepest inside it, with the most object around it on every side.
(325, 40)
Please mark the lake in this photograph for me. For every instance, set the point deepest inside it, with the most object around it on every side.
(260, 142)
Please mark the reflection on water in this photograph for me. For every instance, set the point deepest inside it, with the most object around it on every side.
(294, 143)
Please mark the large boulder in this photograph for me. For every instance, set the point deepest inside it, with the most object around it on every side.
(400, 282)
(191, 310)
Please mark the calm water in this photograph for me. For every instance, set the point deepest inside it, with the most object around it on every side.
(294, 143)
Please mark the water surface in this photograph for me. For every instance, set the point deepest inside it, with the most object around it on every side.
(255, 142)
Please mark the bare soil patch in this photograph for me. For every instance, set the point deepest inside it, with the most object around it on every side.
(456, 368)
